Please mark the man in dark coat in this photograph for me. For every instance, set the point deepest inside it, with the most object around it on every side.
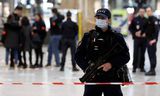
(101, 40)
(69, 33)
(12, 28)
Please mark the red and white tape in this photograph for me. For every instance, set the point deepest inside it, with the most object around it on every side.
(79, 83)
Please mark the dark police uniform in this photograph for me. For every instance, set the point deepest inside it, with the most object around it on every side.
(87, 51)
(138, 24)
(13, 37)
(152, 33)
(159, 24)
(69, 32)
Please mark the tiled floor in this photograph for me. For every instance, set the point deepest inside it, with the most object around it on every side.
(52, 74)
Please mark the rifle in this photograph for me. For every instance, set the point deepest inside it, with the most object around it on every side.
(92, 70)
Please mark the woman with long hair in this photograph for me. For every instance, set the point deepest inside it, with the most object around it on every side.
(38, 36)
(26, 39)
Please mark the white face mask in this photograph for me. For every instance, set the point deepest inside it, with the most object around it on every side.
(101, 23)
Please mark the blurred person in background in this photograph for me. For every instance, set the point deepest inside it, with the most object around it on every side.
(38, 36)
(12, 37)
(7, 56)
(27, 40)
(137, 29)
(152, 39)
(7, 50)
(69, 33)
(55, 37)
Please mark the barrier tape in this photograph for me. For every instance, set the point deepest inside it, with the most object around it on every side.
(79, 83)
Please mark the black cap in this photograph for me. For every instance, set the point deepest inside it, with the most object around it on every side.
(19, 8)
(103, 12)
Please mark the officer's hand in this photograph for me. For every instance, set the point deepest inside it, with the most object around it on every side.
(20, 24)
(138, 33)
(152, 42)
(143, 35)
(1, 44)
(34, 28)
(106, 67)
(32, 33)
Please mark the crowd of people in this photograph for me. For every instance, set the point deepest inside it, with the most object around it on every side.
(19, 37)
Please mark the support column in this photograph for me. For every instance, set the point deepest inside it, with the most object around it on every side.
(86, 9)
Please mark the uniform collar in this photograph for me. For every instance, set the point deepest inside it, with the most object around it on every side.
(100, 30)
(141, 17)
(151, 16)
(69, 19)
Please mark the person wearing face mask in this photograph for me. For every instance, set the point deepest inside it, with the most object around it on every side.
(137, 30)
(152, 38)
(96, 43)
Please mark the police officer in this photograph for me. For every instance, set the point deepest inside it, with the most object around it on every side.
(139, 35)
(152, 38)
(104, 39)
(69, 33)
(159, 23)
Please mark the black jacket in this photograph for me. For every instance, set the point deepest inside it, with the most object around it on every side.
(26, 31)
(105, 41)
(69, 29)
(152, 28)
(138, 24)
(39, 28)
(55, 24)
(13, 33)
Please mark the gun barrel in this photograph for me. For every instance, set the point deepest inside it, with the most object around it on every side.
(92, 73)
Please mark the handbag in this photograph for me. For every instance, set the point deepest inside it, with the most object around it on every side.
(36, 38)
(123, 74)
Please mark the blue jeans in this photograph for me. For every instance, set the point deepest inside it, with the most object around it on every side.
(53, 48)
(8, 53)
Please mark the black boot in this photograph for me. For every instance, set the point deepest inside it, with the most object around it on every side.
(20, 65)
(12, 66)
(48, 65)
(75, 69)
(36, 65)
(152, 72)
(24, 66)
(142, 70)
(40, 66)
(31, 66)
(134, 70)
(41, 61)
(62, 69)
